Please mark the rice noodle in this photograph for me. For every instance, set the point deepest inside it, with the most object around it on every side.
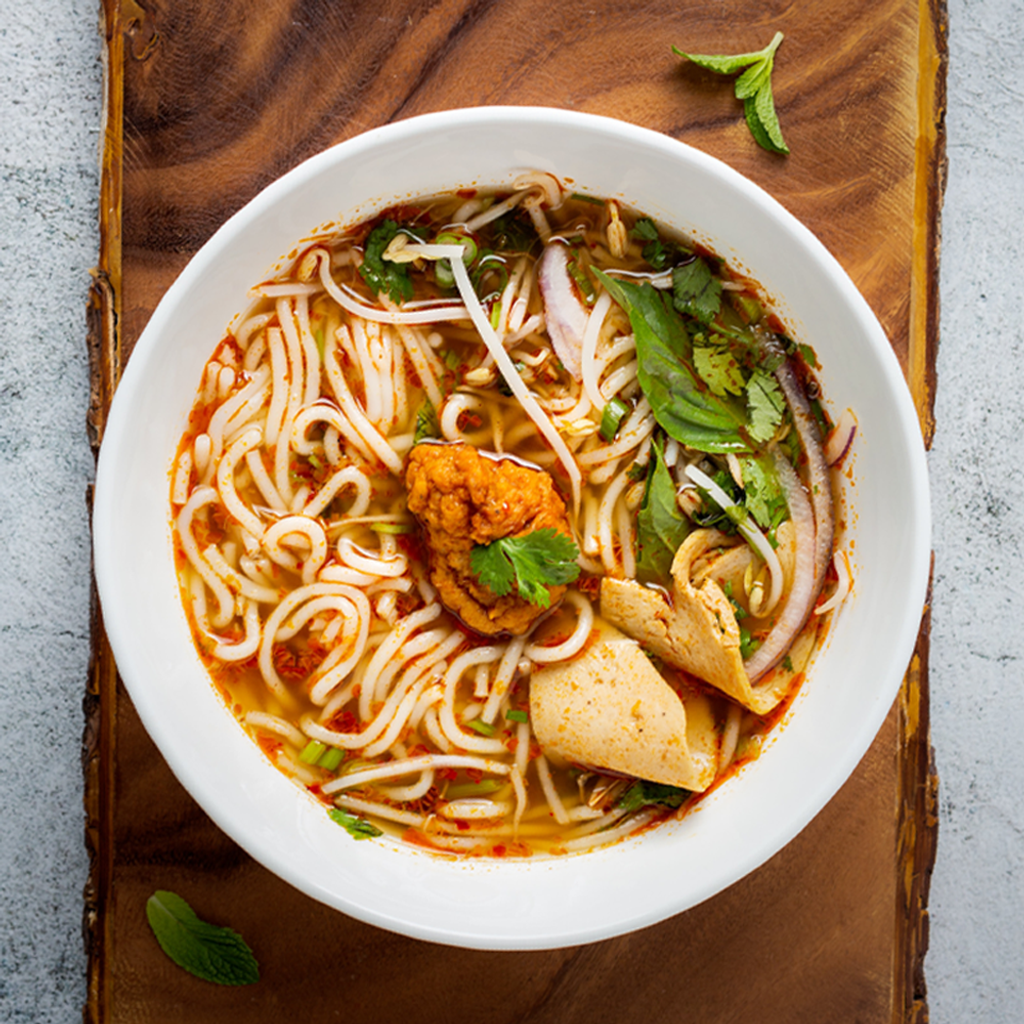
(316, 594)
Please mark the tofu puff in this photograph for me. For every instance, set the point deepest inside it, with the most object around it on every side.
(498, 517)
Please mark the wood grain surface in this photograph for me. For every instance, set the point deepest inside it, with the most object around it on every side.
(206, 104)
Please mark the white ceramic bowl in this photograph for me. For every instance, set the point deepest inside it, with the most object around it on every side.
(539, 903)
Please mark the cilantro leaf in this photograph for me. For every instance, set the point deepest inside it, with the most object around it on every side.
(645, 229)
(658, 253)
(753, 87)
(533, 562)
(718, 369)
(643, 793)
(660, 525)
(764, 498)
(765, 406)
(695, 290)
(356, 827)
(205, 950)
(384, 275)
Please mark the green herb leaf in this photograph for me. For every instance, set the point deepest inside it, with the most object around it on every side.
(660, 524)
(611, 418)
(718, 369)
(766, 406)
(428, 427)
(643, 794)
(685, 408)
(384, 275)
(356, 827)
(753, 87)
(764, 108)
(695, 290)
(533, 562)
(722, 64)
(645, 229)
(764, 498)
(658, 253)
(205, 950)
(809, 356)
(747, 643)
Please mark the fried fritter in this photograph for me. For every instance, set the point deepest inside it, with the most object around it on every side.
(463, 497)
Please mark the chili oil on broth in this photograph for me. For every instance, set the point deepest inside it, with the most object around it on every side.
(305, 577)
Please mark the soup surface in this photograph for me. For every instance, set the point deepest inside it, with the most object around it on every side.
(504, 522)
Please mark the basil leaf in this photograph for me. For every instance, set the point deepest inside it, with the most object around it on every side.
(214, 954)
(382, 276)
(643, 793)
(685, 408)
(356, 827)
(660, 525)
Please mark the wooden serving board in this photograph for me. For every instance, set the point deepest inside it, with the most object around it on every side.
(205, 105)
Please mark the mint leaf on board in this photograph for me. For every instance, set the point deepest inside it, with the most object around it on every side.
(753, 87)
(660, 525)
(205, 950)
(356, 827)
(533, 562)
(685, 408)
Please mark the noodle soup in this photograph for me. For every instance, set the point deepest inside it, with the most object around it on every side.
(504, 523)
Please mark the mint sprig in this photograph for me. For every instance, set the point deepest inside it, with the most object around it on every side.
(753, 87)
(205, 950)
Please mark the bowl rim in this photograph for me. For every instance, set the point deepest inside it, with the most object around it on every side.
(117, 435)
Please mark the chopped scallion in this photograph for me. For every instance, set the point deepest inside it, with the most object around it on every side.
(330, 758)
(470, 789)
(311, 752)
(482, 727)
(393, 528)
(514, 715)
(611, 419)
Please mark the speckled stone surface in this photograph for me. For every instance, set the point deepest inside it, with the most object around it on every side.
(50, 109)
(50, 89)
(977, 901)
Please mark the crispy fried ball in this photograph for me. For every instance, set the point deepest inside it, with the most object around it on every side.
(464, 497)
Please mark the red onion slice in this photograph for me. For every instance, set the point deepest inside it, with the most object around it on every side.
(565, 316)
(806, 585)
(839, 441)
(819, 483)
(813, 520)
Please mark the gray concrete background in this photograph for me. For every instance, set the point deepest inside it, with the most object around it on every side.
(50, 93)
